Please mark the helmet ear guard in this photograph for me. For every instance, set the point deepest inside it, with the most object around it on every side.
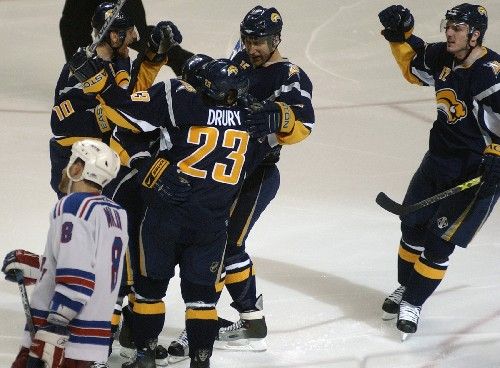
(101, 163)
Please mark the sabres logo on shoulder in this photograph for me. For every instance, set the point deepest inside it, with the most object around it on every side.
(188, 87)
(495, 66)
(294, 69)
(232, 70)
(448, 102)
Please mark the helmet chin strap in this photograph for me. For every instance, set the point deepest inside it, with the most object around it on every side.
(71, 180)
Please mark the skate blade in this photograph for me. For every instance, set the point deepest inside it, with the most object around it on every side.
(127, 352)
(404, 336)
(241, 345)
(388, 316)
(172, 359)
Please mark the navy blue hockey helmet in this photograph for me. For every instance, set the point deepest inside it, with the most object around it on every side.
(221, 79)
(192, 68)
(475, 16)
(104, 11)
(260, 22)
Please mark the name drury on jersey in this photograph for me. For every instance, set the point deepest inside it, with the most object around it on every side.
(223, 117)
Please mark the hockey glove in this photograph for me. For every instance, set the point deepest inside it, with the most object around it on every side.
(490, 166)
(93, 73)
(268, 117)
(398, 23)
(246, 101)
(47, 347)
(163, 37)
(22, 260)
(164, 183)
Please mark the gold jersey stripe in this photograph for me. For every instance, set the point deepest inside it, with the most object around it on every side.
(297, 134)
(407, 256)
(149, 308)
(404, 54)
(201, 314)
(219, 286)
(122, 153)
(429, 272)
(233, 278)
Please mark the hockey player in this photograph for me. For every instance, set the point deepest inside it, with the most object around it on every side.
(188, 189)
(464, 141)
(75, 24)
(281, 86)
(80, 270)
(76, 116)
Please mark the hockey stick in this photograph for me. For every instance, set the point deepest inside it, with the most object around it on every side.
(25, 301)
(389, 205)
(105, 27)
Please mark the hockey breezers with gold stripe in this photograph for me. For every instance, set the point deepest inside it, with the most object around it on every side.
(398, 209)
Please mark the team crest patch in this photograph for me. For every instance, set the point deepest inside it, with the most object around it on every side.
(448, 102)
(294, 69)
(214, 267)
(232, 70)
(275, 17)
(442, 222)
(482, 10)
(495, 66)
(188, 87)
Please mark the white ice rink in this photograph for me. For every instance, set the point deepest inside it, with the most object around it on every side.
(325, 253)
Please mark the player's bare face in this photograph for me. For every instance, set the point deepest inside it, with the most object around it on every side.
(457, 39)
(258, 50)
(131, 36)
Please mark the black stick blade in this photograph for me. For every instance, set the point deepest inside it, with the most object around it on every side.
(389, 205)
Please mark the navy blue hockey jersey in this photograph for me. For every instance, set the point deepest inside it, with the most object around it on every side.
(281, 81)
(209, 144)
(467, 95)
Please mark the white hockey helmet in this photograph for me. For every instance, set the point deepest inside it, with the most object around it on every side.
(101, 162)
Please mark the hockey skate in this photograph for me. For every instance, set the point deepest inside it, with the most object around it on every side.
(407, 319)
(179, 348)
(390, 308)
(144, 358)
(246, 334)
(128, 351)
(99, 365)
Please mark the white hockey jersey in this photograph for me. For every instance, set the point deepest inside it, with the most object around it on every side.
(81, 269)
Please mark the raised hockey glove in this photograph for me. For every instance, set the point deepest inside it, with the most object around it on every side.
(163, 37)
(47, 347)
(21, 260)
(490, 167)
(398, 23)
(92, 72)
(164, 183)
(268, 117)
